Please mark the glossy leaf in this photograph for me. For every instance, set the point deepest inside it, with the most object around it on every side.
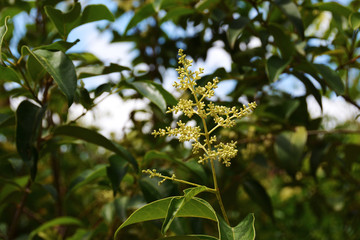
(196, 207)
(289, 148)
(94, 137)
(354, 20)
(3, 31)
(177, 203)
(141, 14)
(55, 222)
(292, 12)
(245, 230)
(60, 67)
(148, 90)
(259, 195)
(116, 171)
(235, 29)
(331, 78)
(28, 124)
(275, 66)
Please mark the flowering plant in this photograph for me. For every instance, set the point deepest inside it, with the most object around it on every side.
(202, 139)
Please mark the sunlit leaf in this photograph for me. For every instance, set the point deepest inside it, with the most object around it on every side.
(148, 90)
(55, 222)
(354, 20)
(59, 45)
(3, 31)
(205, 4)
(334, 7)
(96, 12)
(94, 137)
(7, 74)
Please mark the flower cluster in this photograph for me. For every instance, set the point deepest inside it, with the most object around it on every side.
(221, 115)
(153, 173)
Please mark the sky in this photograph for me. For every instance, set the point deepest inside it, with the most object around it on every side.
(111, 115)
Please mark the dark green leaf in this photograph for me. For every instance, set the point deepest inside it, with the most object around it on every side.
(35, 69)
(310, 87)
(59, 46)
(282, 41)
(85, 99)
(94, 137)
(3, 31)
(90, 71)
(275, 66)
(245, 230)
(87, 177)
(259, 195)
(335, 8)
(292, 12)
(106, 87)
(28, 125)
(6, 120)
(60, 67)
(331, 78)
(354, 20)
(169, 98)
(96, 12)
(7, 74)
(205, 4)
(289, 148)
(53, 223)
(235, 29)
(196, 207)
(64, 22)
(176, 13)
(141, 14)
(116, 171)
(148, 90)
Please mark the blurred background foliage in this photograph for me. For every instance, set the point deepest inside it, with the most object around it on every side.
(297, 172)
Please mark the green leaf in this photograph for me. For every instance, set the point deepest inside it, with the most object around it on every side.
(60, 67)
(35, 69)
(177, 203)
(28, 124)
(87, 177)
(289, 148)
(148, 90)
(275, 66)
(235, 29)
(53, 223)
(116, 171)
(245, 230)
(141, 14)
(292, 12)
(190, 237)
(354, 20)
(282, 41)
(259, 195)
(94, 137)
(169, 98)
(196, 207)
(310, 87)
(90, 71)
(331, 78)
(3, 31)
(157, 5)
(96, 12)
(335, 8)
(59, 46)
(7, 74)
(64, 22)
(205, 4)
(85, 99)
(175, 13)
